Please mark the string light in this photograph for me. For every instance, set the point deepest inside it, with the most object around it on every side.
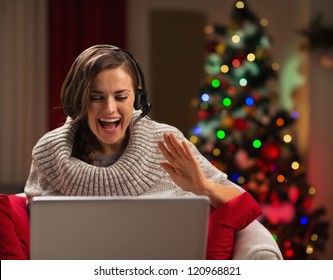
(275, 66)
(256, 143)
(295, 165)
(249, 101)
(279, 122)
(280, 178)
(251, 57)
(197, 130)
(216, 83)
(235, 62)
(220, 48)
(235, 39)
(224, 68)
(263, 22)
(194, 139)
(216, 152)
(295, 115)
(220, 134)
(241, 180)
(314, 237)
(240, 5)
(312, 191)
(204, 105)
(243, 82)
(205, 97)
(287, 138)
(304, 220)
(309, 249)
(235, 177)
(226, 102)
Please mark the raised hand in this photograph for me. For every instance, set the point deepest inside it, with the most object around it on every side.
(185, 170)
(181, 165)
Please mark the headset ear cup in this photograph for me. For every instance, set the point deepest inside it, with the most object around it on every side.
(137, 101)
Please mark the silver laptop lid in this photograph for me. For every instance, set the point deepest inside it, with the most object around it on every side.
(118, 227)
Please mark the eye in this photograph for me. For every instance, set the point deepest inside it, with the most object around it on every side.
(96, 97)
(121, 97)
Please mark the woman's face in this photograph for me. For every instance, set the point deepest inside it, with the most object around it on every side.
(110, 108)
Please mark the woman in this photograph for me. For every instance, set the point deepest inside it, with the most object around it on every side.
(106, 147)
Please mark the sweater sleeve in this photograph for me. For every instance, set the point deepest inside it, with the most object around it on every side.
(224, 221)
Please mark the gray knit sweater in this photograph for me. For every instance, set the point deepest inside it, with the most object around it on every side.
(137, 172)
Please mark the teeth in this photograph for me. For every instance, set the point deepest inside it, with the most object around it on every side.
(109, 120)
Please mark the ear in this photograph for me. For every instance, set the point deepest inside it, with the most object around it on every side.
(137, 101)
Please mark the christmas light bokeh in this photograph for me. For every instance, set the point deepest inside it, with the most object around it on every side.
(244, 132)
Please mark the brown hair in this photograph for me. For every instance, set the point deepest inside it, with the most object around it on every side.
(75, 89)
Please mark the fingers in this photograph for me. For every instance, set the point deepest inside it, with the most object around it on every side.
(165, 152)
(177, 148)
(187, 151)
(168, 168)
(170, 148)
(173, 145)
(176, 152)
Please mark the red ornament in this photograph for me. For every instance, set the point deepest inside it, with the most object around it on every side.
(289, 253)
(293, 194)
(232, 148)
(203, 115)
(240, 124)
(270, 151)
(307, 204)
(268, 167)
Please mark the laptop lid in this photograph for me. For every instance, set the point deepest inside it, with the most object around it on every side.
(118, 228)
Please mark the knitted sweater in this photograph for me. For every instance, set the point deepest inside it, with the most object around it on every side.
(54, 171)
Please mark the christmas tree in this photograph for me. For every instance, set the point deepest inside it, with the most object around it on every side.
(245, 132)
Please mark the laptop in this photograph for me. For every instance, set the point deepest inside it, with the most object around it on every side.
(118, 228)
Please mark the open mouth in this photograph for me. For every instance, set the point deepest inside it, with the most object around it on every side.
(109, 124)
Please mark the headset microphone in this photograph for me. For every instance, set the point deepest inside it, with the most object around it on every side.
(145, 110)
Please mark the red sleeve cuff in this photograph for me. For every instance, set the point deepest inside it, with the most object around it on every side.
(224, 221)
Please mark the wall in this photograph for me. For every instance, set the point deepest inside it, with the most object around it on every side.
(23, 87)
(309, 87)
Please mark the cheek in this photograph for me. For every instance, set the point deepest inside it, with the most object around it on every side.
(91, 113)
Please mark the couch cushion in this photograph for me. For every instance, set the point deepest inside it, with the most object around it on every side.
(14, 228)
(255, 242)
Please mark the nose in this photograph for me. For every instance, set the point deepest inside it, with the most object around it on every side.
(110, 104)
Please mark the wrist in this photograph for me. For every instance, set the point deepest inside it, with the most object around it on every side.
(218, 193)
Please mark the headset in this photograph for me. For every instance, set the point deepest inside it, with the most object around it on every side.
(141, 100)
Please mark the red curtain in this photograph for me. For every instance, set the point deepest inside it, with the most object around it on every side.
(75, 25)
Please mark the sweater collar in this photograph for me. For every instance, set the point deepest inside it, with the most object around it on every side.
(136, 171)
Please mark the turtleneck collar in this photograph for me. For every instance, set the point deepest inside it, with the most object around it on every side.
(136, 171)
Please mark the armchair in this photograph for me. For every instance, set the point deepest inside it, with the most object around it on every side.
(252, 243)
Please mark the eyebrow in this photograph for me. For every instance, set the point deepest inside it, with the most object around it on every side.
(95, 91)
(117, 91)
